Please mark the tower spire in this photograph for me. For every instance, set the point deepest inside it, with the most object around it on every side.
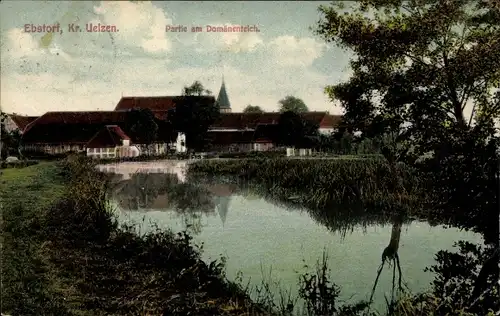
(223, 99)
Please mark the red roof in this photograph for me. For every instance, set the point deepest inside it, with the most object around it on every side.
(79, 117)
(76, 127)
(162, 103)
(109, 136)
(251, 120)
(330, 121)
(22, 121)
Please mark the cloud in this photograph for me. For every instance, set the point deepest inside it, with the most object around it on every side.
(20, 44)
(292, 51)
(139, 23)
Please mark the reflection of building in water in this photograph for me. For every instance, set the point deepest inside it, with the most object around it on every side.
(222, 206)
(222, 196)
(127, 170)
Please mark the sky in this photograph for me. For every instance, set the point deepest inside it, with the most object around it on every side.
(81, 71)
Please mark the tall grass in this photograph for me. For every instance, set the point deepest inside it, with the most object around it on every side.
(320, 183)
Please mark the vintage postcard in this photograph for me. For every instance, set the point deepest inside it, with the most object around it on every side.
(249, 157)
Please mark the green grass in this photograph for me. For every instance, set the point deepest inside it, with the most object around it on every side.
(36, 186)
(28, 287)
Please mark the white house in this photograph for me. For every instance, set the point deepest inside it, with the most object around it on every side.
(111, 142)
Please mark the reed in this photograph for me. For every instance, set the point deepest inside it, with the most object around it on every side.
(320, 183)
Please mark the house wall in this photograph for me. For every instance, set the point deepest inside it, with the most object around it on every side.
(53, 149)
(291, 152)
(327, 130)
(153, 149)
(262, 146)
(109, 152)
(180, 143)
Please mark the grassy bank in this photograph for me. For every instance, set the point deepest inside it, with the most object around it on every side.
(64, 254)
(322, 183)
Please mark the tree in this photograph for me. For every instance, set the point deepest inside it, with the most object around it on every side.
(417, 67)
(293, 104)
(10, 142)
(196, 89)
(141, 126)
(193, 116)
(294, 130)
(253, 109)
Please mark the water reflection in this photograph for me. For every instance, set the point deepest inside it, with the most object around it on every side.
(166, 189)
(193, 196)
(262, 232)
(391, 256)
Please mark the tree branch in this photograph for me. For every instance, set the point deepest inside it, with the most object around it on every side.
(472, 114)
(457, 107)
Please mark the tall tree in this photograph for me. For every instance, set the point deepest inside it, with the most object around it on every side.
(293, 104)
(193, 117)
(294, 130)
(141, 126)
(196, 88)
(253, 109)
(418, 67)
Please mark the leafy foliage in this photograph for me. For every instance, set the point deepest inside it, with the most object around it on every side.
(294, 130)
(141, 126)
(418, 67)
(253, 109)
(293, 104)
(193, 116)
(197, 89)
(457, 273)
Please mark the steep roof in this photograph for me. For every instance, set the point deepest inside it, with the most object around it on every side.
(223, 99)
(109, 136)
(251, 120)
(161, 103)
(75, 127)
(22, 121)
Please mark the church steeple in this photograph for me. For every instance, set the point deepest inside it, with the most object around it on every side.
(223, 100)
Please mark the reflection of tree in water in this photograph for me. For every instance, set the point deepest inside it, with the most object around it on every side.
(163, 191)
(391, 256)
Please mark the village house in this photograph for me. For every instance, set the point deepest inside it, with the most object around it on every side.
(111, 142)
(62, 132)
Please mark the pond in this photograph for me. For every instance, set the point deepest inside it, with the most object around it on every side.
(263, 239)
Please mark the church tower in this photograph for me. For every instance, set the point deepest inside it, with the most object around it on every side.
(223, 100)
